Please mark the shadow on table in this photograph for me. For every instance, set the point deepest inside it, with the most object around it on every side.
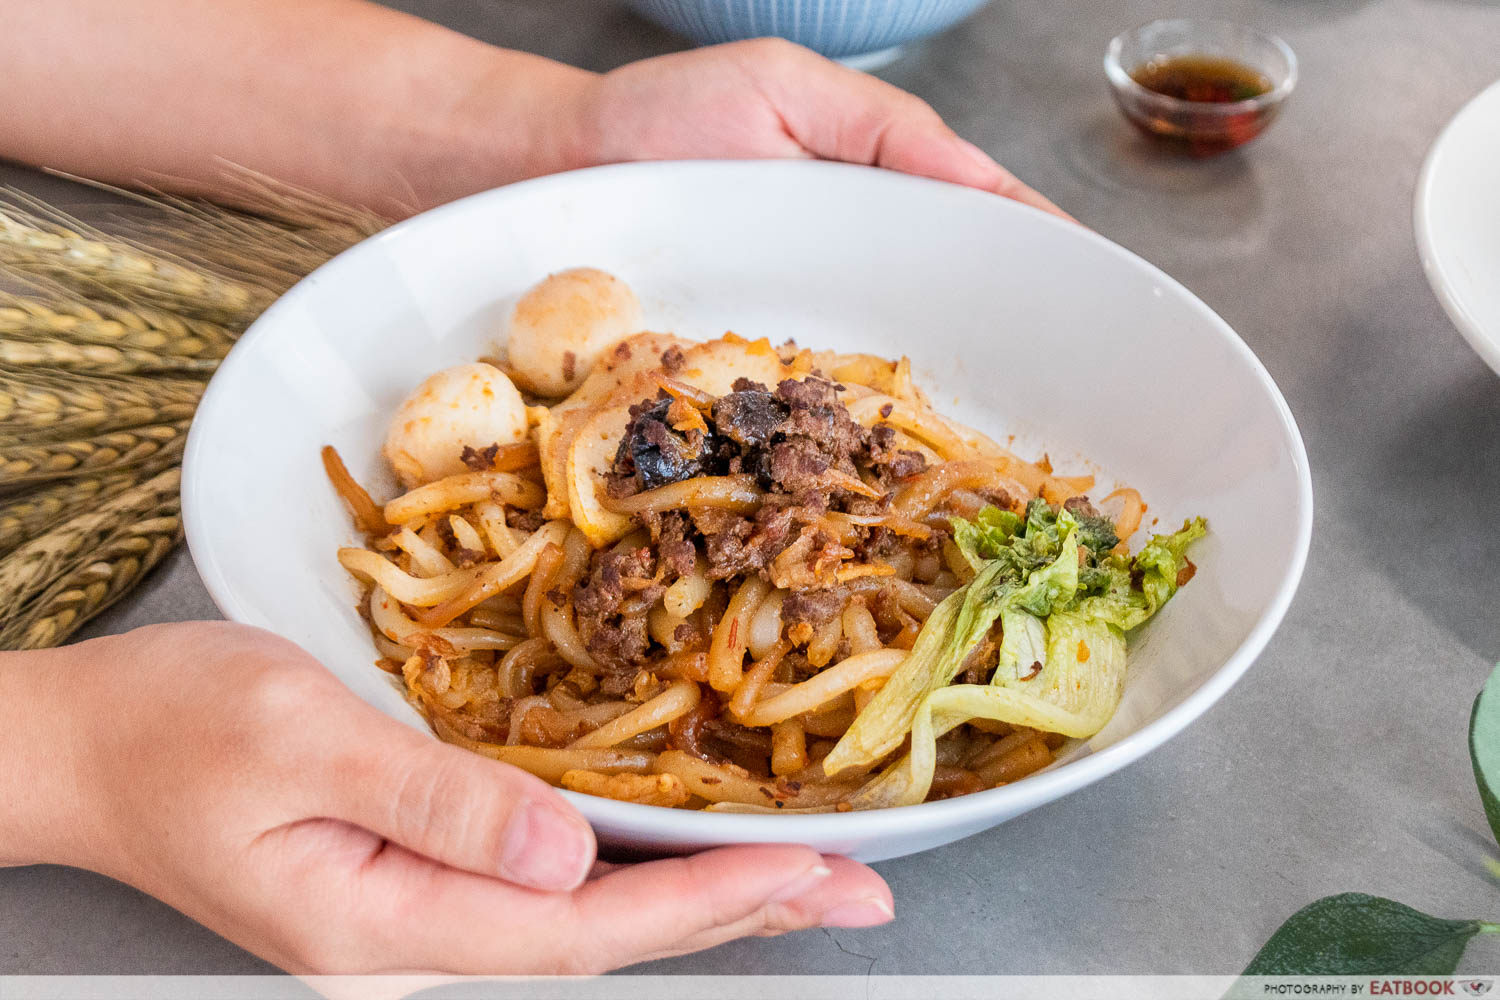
(1431, 514)
(1220, 200)
(1466, 846)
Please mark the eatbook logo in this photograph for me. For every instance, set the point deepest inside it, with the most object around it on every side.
(1477, 987)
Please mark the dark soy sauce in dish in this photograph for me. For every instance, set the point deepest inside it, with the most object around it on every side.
(1211, 79)
(1206, 122)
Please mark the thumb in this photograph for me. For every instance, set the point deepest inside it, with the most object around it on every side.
(678, 905)
(453, 806)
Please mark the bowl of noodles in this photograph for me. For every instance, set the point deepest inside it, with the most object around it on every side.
(744, 514)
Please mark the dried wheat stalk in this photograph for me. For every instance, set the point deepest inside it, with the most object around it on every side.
(28, 463)
(93, 584)
(281, 230)
(103, 578)
(97, 359)
(38, 406)
(90, 265)
(273, 253)
(101, 366)
(36, 318)
(279, 233)
(25, 515)
(29, 570)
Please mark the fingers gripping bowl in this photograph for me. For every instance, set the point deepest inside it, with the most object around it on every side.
(1017, 324)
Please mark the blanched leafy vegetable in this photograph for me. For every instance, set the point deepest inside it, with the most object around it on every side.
(1075, 694)
(991, 533)
(1029, 542)
(1163, 561)
(1064, 602)
(957, 624)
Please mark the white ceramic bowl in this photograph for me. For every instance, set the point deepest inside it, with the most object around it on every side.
(1457, 217)
(1017, 323)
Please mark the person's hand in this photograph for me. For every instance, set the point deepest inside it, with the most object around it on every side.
(226, 772)
(770, 98)
(377, 108)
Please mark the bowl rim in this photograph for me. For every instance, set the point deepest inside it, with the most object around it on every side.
(657, 824)
(1486, 345)
(1121, 80)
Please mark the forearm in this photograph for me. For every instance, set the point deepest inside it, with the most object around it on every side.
(362, 103)
(43, 813)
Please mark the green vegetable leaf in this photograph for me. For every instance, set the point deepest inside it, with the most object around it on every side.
(1163, 560)
(1484, 748)
(1076, 691)
(1040, 516)
(1353, 934)
(1096, 533)
(985, 537)
(1064, 605)
(1020, 545)
(885, 720)
(1056, 583)
(955, 627)
(1023, 644)
(1033, 541)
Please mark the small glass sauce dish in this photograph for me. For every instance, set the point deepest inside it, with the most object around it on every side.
(1200, 86)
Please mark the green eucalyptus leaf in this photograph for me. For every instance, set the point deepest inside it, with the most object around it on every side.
(1353, 934)
(1484, 748)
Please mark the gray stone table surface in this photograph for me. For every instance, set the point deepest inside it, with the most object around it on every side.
(1339, 762)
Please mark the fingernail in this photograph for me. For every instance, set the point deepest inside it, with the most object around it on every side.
(800, 885)
(864, 913)
(545, 848)
(979, 156)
